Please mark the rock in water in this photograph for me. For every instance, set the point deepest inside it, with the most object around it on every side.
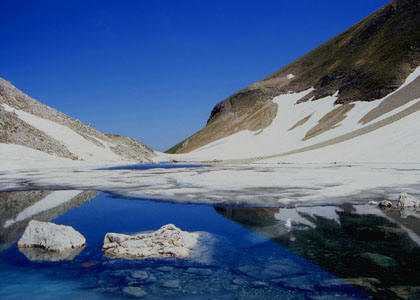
(380, 260)
(406, 200)
(51, 237)
(168, 241)
(171, 284)
(136, 292)
(385, 204)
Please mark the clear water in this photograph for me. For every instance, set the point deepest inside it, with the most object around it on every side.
(253, 256)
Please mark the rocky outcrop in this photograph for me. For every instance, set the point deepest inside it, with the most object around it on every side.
(51, 237)
(168, 241)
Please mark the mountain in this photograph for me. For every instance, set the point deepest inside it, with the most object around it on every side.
(32, 130)
(349, 83)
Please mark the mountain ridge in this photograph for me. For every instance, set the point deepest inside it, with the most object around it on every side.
(27, 122)
(365, 63)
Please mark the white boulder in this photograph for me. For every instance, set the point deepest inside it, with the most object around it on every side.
(406, 200)
(51, 237)
(168, 241)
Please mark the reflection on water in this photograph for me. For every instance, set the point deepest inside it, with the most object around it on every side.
(18, 208)
(318, 252)
(40, 255)
(237, 264)
(371, 248)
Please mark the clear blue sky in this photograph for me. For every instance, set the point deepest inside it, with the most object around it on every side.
(154, 69)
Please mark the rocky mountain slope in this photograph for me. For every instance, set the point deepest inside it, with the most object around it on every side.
(25, 122)
(350, 82)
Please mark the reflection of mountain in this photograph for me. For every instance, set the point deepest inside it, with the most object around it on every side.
(356, 242)
(18, 208)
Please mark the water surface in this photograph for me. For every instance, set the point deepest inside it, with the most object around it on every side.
(256, 253)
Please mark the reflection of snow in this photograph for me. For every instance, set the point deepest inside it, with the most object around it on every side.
(294, 216)
(50, 201)
(373, 210)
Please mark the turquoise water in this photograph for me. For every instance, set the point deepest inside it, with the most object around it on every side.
(241, 263)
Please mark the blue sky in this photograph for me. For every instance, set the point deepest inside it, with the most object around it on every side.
(154, 69)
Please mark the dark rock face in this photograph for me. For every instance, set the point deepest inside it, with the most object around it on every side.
(365, 63)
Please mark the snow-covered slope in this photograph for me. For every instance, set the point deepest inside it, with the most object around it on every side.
(385, 130)
(345, 89)
(32, 133)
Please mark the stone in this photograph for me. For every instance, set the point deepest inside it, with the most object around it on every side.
(366, 283)
(172, 284)
(88, 264)
(51, 237)
(121, 273)
(303, 282)
(380, 260)
(151, 279)
(239, 281)
(385, 204)
(199, 271)
(142, 275)
(406, 292)
(406, 200)
(134, 291)
(259, 284)
(168, 241)
(165, 269)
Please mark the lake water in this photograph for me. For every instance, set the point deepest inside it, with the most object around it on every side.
(255, 253)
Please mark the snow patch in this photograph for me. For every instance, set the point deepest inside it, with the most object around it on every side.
(74, 142)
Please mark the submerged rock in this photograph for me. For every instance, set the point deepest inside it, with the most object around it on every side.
(369, 284)
(259, 284)
(51, 237)
(380, 260)
(133, 291)
(168, 241)
(199, 271)
(142, 275)
(171, 284)
(165, 269)
(406, 292)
